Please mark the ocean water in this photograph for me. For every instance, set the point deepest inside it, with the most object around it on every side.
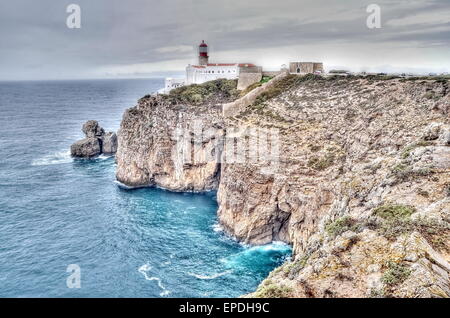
(56, 211)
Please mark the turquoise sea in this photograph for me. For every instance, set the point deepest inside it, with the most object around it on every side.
(56, 211)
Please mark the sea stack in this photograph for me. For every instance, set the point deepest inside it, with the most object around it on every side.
(95, 143)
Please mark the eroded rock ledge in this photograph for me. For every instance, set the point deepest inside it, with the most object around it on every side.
(362, 188)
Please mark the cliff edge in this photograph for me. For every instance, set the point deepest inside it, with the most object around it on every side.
(361, 185)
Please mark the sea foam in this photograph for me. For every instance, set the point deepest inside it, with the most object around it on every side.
(56, 158)
(259, 256)
(213, 276)
(144, 269)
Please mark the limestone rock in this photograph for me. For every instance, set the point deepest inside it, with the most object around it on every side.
(157, 145)
(95, 143)
(346, 147)
(110, 143)
(86, 148)
(92, 129)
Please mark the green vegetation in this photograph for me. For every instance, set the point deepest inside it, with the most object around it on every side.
(197, 94)
(394, 211)
(403, 172)
(395, 274)
(440, 78)
(284, 85)
(270, 290)
(250, 88)
(314, 148)
(292, 269)
(381, 77)
(338, 71)
(377, 293)
(323, 163)
(397, 221)
(264, 80)
(407, 151)
(340, 226)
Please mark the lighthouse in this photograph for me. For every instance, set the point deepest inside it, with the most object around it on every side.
(246, 73)
(203, 54)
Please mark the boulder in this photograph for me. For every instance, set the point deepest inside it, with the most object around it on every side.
(91, 129)
(95, 143)
(86, 148)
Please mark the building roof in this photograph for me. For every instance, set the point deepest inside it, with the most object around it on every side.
(225, 64)
(232, 64)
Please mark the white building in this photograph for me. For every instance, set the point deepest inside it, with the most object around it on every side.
(205, 71)
(172, 83)
(197, 74)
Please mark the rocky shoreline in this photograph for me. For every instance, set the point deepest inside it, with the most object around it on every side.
(361, 189)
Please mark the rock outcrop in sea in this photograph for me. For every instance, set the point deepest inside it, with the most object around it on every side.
(95, 143)
(361, 188)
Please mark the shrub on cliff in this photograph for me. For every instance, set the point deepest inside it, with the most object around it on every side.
(394, 211)
(395, 274)
(402, 172)
(340, 226)
(270, 290)
(322, 163)
(396, 220)
(196, 94)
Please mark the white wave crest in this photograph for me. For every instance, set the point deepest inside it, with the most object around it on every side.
(144, 269)
(56, 158)
(217, 227)
(210, 276)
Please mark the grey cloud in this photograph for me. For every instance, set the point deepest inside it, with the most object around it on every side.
(35, 43)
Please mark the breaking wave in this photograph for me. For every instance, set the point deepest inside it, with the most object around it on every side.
(56, 158)
(259, 256)
(210, 276)
(144, 269)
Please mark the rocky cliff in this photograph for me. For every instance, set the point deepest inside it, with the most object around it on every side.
(361, 187)
(156, 139)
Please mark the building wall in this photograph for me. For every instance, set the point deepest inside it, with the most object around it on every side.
(271, 73)
(198, 75)
(171, 83)
(234, 108)
(305, 67)
(248, 75)
(247, 79)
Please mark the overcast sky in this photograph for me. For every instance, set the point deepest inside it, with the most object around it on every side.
(141, 38)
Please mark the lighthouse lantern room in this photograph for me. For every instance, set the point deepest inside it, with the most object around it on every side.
(203, 54)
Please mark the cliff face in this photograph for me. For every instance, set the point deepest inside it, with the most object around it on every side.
(149, 151)
(361, 186)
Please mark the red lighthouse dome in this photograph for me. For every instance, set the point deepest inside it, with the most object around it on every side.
(203, 53)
